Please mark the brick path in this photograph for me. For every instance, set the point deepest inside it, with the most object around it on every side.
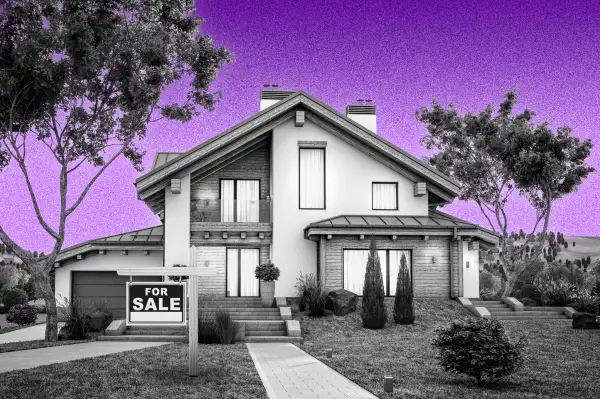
(289, 372)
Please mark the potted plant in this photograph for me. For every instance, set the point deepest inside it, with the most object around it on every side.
(267, 273)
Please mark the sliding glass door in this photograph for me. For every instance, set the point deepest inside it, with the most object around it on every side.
(240, 200)
(241, 263)
(355, 266)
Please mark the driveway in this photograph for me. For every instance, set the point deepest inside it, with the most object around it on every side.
(27, 359)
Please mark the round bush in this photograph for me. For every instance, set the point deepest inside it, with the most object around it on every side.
(22, 315)
(15, 296)
(267, 272)
(532, 292)
(480, 349)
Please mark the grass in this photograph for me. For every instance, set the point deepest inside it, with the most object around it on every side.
(563, 363)
(225, 371)
(36, 344)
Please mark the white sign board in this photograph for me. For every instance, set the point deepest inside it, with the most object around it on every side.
(156, 304)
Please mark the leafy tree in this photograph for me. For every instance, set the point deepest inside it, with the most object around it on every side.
(404, 311)
(83, 79)
(495, 155)
(374, 313)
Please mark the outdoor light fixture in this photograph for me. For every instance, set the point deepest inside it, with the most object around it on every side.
(329, 353)
(467, 264)
(388, 383)
(433, 259)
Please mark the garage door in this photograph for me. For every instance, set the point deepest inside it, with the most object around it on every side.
(109, 287)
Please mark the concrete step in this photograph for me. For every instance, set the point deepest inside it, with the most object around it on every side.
(526, 314)
(266, 333)
(486, 303)
(496, 306)
(272, 339)
(252, 325)
(544, 308)
(155, 332)
(238, 310)
(145, 338)
(545, 317)
(245, 316)
(500, 310)
(164, 328)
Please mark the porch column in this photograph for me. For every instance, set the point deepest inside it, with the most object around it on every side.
(322, 264)
(461, 286)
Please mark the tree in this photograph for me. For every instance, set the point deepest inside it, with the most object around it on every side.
(495, 155)
(374, 313)
(83, 79)
(404, 312)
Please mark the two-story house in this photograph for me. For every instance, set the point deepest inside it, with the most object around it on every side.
(300, 184)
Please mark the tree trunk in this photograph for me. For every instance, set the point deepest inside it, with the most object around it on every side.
(41, 280)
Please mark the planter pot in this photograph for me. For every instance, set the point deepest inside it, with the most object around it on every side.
(267, 293)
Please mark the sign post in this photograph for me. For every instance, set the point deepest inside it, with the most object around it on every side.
(193, 273)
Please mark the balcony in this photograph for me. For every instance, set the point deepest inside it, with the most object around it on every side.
(240, 219)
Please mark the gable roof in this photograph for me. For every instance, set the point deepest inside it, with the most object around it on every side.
(163, 157)
(264, 121)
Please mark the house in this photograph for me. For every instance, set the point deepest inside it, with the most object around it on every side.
(300, 184)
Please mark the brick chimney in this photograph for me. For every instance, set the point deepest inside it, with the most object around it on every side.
(364, 114)
(271, 95)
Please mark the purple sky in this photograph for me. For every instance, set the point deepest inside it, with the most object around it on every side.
(401, 54)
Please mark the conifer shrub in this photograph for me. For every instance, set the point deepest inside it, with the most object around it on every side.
(374, 313)
(479, 349)
(404, 311)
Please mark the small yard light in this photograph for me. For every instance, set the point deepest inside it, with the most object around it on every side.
(433, 259)
(329, 353)
(467, 264)
(388, 383)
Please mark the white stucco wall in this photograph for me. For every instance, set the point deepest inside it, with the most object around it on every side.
(470, 274)
(112, 261)
(349, 177)
(177, 225)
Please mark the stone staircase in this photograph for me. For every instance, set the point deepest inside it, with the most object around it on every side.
(499, 310)
(261, 324)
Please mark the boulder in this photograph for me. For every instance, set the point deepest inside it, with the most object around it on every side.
(341, 302)
(98, 320)
(584, 321)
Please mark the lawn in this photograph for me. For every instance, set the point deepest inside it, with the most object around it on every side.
(226, 371)
(563, 363)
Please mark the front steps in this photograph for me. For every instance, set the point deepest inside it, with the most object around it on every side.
(261, 324)
(499, 310)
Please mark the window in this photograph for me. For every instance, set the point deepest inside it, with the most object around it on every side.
(239, 200)
(312, 178)
(355, 266)
(385, 196)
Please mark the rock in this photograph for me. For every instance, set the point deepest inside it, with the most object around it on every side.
(584, 321)
(341, 302)
(98, 320)
(63, 334)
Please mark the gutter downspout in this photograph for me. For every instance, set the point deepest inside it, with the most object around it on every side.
(451, 241)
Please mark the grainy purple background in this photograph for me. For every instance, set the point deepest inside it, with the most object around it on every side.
(402, 54)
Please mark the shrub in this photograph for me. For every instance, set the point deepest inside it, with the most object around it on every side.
(225, 328)
(480, 349)
(15, 296)
(267, 272)
(22, 315)
(305, 284)
(404, 312)
(3, 309)
(490, 283)
(528, 301)
(555, 293)
(374, 313)
(73, 314)
(207, 333)
(40, 308)
(531, 292)
(316, 300)
(586, 301)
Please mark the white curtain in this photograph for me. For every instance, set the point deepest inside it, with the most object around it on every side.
(232, 272)
(227, 200)
(312, 178)
(384, 195)
(355, 266)
(395, 257)
(249, 282)
(247, 200)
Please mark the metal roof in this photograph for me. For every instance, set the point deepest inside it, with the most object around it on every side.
(162, 158)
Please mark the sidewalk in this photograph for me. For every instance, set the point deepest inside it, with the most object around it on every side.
(32, 333)
(27, 359)
(289, 372)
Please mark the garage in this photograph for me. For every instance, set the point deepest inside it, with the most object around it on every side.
(94, 287)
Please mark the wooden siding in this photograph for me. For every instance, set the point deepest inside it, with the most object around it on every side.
(431, 280)
(256, 165)
(217, 257)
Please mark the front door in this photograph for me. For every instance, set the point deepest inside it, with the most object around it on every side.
(241, 263)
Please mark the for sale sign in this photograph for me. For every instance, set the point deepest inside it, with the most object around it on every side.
(156, 304)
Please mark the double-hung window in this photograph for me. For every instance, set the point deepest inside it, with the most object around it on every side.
(385, 196)
(312, 178)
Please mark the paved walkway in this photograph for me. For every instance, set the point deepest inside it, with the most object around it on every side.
(289, 372)
(26, 334)
(31, 358)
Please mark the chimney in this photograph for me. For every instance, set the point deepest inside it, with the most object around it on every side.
(364, 114)
(270, 95)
